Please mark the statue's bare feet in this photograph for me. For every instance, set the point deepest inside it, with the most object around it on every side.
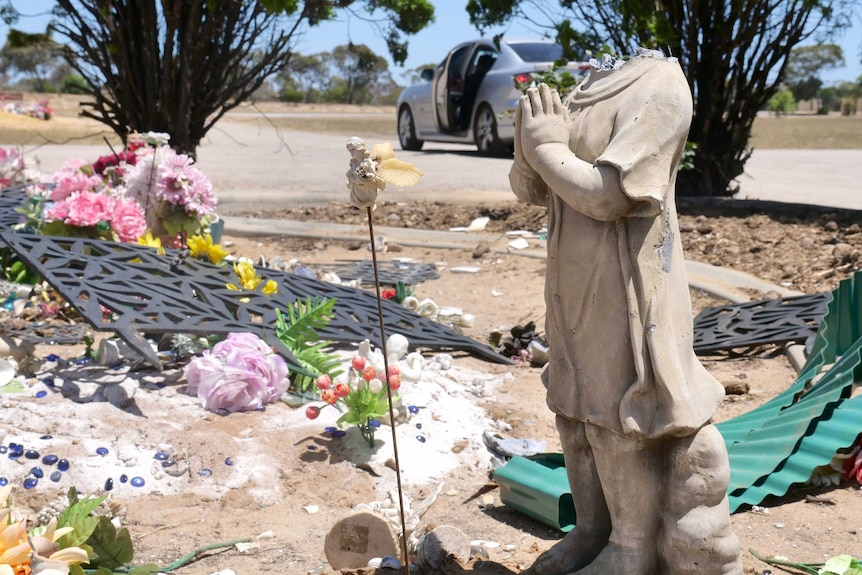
(574, 551)
(616, 559)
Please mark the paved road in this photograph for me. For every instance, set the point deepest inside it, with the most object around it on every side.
(251, 166)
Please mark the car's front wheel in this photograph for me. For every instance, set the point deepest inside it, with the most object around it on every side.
(485, 133)
(407, 131)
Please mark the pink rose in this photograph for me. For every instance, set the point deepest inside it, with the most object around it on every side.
(128, 220)
(240, 373)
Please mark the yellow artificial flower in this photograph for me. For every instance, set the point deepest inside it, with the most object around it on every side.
(249, 280)
(203, 248)
(149, 241)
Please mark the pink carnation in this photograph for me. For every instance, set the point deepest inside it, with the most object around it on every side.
(240, 373)
(68, 183)
(128, 220)
(88, 208)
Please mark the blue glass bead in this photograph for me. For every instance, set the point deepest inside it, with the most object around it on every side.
(413, 409)
(339, 433)
(31, 454)
(124, 478)
(101, 451)
(418, 426)
(13, 445)
(206, 472)
(55, 476)
(46, 437)
(420, 438)
(3, 482)
(41, 394)
(330, 429)
(138, 481)
(82, 360)
(228, 461)
(161, 456)
(49, 381)
(63, 465)
(50, 459)
(37, 472)
(52, 357)
(312, 447)
(261, 407)
(3, 449)
(14, 454)
(373, 423)
(30, 483)
(169, 463)
(109, 484)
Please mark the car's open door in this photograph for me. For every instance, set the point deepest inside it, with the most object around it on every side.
(449, 88)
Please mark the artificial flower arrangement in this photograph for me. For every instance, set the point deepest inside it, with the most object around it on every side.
(360, 393)
(12, 167)
(146, 187)
(73, 539)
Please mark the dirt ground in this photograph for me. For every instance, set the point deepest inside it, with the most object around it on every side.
(312, 481)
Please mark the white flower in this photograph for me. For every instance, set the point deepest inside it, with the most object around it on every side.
(429, 309)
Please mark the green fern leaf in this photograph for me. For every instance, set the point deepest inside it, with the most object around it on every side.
(77, 516)
(304, 318)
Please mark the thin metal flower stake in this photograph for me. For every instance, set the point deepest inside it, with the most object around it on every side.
(369, 171)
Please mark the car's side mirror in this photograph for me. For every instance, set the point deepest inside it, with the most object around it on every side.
(427, 74)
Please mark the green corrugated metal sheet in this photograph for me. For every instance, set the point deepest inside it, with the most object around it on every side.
(781, 442)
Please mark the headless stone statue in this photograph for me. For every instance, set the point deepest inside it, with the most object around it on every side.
(648, 472)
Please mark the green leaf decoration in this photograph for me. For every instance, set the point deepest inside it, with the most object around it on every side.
(14, 386)
(77, 516)
(316, 359)
(303, 319)
(112, 548)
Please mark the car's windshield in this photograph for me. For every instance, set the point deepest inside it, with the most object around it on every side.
(538, 51)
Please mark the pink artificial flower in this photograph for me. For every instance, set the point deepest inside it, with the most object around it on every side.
(240, 373)
(358, 363)
(323, 381)
(312, 412)
(88, 208)
(199, 197)
(58, 212)
(175, 178)
(394, 382)
(368, 373)
(128, 220)
(328, 396)
(66, 184)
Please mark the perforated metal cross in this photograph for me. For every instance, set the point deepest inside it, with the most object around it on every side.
(131, 290)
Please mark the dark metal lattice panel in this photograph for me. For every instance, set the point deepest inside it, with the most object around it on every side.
(147, 294)
(773, 321)
(391, 272)
(11, 199)
(39, 332)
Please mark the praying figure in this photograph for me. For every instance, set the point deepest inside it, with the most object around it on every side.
(648, 471)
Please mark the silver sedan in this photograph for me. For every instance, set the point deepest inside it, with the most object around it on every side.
(470, 97)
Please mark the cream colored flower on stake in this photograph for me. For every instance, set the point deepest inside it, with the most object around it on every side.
(370, 170)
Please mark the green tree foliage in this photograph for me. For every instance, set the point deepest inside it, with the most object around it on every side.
(304, 74)
(805, 65)
(733, 52)
(178, 66)
(782, 103)
(359, 76)
(32, 57)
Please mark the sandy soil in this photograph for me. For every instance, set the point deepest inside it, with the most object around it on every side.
(293, 481)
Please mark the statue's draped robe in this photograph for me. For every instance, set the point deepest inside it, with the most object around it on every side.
(619, 320)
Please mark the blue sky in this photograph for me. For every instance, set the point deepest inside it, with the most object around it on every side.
(430, 45)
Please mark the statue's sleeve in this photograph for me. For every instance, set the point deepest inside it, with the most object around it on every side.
(527, 185)
(649, 137)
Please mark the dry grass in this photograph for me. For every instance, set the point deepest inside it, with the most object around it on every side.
(25, 131)
(807, 132)
(791, 132)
